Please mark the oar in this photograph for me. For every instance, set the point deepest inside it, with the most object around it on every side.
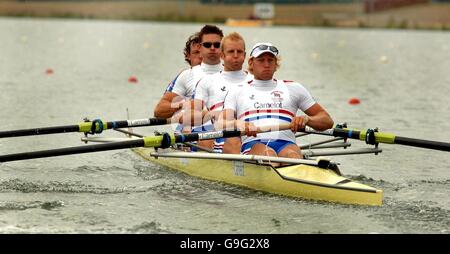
(373, 137)
(96, 126)
(162, 141)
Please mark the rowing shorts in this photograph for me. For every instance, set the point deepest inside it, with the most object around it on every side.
(277, 145)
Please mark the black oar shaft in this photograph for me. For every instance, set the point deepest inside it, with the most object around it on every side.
(429, 144)
(39, 131)
(84, 127)
(72, 150)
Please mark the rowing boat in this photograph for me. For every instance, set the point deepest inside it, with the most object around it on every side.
(297, 180)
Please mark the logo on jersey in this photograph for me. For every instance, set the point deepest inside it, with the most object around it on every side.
(224, 88)
(277, 96)
(252, 97)
(259, 105)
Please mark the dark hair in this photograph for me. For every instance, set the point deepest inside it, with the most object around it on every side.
(210, 29)
(187, 48)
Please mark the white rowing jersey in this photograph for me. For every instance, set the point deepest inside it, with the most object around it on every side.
(267, 103)
(185, 82)
(213, 89)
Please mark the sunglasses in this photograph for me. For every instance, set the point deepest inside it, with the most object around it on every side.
(209, 44)
(273, 49)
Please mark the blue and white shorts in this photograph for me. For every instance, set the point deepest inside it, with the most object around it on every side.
(276, 144)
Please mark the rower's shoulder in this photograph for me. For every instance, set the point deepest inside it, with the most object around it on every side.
(210, 77)
(289, 82)
(249, 77)
(192, 69)
(184, 72)
(292, 83)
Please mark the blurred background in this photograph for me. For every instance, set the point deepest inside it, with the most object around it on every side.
(404, 14)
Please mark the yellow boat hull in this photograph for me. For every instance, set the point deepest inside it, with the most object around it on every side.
(303, 181)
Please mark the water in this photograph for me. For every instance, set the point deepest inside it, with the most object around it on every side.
(401, 78)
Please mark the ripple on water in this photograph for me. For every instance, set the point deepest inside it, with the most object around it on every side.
(148, 228)
(379, 184)
(19, 206)
(62, 187)
(408, 217)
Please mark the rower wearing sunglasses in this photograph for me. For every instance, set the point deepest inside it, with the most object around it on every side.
(266, 101)
(181, 89)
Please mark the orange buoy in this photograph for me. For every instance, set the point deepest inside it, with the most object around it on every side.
(132, 79)
(354, 101)
(49, 71)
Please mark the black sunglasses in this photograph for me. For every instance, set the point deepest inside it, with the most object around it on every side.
(209, 44)
(273, 49)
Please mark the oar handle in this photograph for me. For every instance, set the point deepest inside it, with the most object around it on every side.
(269, 128)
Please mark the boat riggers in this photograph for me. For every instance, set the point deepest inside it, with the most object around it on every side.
(88, 127)
(373, 136)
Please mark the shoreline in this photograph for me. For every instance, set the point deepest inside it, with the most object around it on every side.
(431, 16)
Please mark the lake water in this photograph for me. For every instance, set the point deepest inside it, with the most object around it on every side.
(401, 77)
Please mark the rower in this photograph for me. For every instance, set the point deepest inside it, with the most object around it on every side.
(182, 87)
(211, 90)
(192, 50)
(267, 101)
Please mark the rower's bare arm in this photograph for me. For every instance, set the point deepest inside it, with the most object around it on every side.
(200, 113)
(199, 109)
(225, 120)
(168, 105)
(192, 113)
(318, 118)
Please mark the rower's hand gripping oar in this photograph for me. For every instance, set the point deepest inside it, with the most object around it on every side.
(87, 127)
(373, 137)
(162, 141)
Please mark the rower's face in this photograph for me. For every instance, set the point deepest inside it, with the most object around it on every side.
(264, 66)
(233, 55)
(194, 55)
(208, 51)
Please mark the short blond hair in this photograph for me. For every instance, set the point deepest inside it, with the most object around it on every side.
(234, 36)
